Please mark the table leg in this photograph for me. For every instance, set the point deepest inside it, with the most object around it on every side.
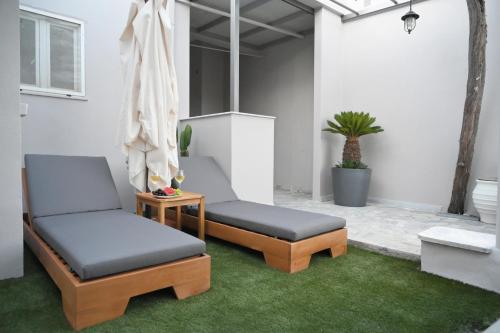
(161, 214)
(139, 210)
(201, 219)
(178, 217)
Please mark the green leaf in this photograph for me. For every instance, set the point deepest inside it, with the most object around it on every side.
(352, 124)
(185, 138)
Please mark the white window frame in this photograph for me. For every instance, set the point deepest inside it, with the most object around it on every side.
(43, 58)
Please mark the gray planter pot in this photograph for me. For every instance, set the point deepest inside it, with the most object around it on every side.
(350, 186)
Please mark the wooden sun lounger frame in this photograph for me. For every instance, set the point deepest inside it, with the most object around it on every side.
(90, 302)
(287, 256)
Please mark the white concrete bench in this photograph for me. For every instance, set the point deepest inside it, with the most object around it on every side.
(466, 256)
(463, 239)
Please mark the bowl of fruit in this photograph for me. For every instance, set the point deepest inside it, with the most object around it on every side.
(167, 193)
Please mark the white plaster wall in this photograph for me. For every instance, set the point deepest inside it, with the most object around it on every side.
(252, 153)
(280, 84)
(194, 83)
(242, 145)
(214, 82)
(11, 225)
(72, 127)
(415, 86)
(491, 100)
(211, 137)
(327, 99)
(210, 70)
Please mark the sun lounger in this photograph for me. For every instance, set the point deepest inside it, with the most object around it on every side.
(287, 237)
(97, 254)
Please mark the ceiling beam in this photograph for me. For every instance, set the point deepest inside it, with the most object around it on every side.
(270, 27)
(300, 5)
(213, 35)
(252, 5)
(277, 22)
(242, 19)
(283, 39)
(208, 46)
(223, 44)
(340, 4)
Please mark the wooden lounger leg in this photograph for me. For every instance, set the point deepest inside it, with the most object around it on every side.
(81, 316)
(191, 288)
(196, 280)
(299, 264)
(288, 264)
(338, 250)
(283, 264)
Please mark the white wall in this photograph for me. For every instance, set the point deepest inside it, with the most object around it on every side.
(11, 225)
(209, 82)
(211, 137)
(73, 127)
(415, 86)
(194, 83)
(491, 101)
(252, 153)
(243, 145)
(280, 84)
(328, 90)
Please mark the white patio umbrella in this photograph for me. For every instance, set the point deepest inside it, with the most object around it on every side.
(148, 119)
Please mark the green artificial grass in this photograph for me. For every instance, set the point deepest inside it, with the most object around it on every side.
(359, 292)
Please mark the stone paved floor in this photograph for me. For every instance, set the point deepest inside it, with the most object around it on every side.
(385, 229)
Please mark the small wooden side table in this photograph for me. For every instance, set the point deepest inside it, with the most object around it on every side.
(185, 199)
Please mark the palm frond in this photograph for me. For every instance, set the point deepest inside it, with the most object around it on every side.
(353, 124)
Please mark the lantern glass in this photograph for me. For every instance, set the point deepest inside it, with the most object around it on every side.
(410, 23)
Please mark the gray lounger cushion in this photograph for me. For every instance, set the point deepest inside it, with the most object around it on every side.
(204, 175)
(69, 184)
(96, 244)
(281, 222)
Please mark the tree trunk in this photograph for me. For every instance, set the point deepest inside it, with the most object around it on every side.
(352, 151)
(472, 108)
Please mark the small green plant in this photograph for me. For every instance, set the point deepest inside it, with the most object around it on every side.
(351, 165)
(352, 125)
(185, 140)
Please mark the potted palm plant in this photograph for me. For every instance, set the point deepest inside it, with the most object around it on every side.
(351, 177)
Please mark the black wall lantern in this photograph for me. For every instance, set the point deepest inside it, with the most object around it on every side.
(410, 20)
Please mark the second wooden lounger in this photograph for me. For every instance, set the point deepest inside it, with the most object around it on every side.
(98, 255)
(287, 237)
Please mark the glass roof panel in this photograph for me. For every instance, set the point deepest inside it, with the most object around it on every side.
(361, 6)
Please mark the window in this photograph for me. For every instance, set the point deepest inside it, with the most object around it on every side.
(52, 60)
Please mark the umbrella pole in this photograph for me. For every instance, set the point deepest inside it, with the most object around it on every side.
(147, 211)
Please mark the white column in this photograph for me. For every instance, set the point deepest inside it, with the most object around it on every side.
(327, 99)
(181, 56)
(11, 214)
(234, 99)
